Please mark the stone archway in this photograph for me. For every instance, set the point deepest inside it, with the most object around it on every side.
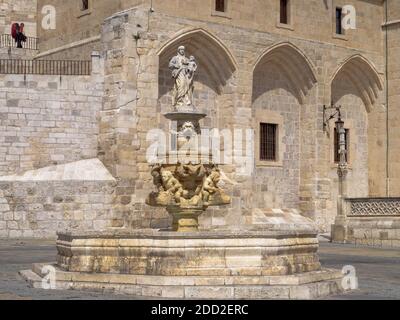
(363, 76)
(216, 66)
(282, 80)
(356, 86)
(294, 65)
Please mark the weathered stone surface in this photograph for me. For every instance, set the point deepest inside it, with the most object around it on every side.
(252, 253)
(75, 196)
(319, 284)
(379, 231)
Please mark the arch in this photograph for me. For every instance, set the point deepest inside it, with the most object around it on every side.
(213, 56)
(364, 77)
(294, 64)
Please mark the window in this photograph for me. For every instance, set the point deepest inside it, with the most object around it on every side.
(284, 12)
(337, 146)
(220, 5)
(339, 18)
(268, 142)
(84, 5)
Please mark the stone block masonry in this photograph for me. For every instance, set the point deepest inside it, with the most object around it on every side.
(47, 120)
(18, 11)
(76, 196)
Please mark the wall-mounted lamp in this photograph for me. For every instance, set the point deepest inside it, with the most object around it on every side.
(330, 113)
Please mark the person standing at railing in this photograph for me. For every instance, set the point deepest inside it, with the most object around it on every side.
(17, 32)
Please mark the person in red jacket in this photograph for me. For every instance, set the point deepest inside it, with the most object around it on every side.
(17, 32)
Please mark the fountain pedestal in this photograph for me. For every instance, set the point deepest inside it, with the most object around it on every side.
(185, 219)
(187, 182)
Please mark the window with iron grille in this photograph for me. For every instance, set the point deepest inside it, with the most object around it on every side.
(84, 5)
(268, 141)
(220, 5)
(337, 145)
(284, 12)
(339, 18)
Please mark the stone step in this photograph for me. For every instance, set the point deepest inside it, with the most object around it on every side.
(310, 285)
(32, 278)
(38, 268)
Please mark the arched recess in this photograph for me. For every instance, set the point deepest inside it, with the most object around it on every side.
(283, 78)
(363, 76)
(295, 67)
(212, 55)
(357, 87)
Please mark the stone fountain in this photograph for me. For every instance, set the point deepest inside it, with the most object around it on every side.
(188, 182)
(274, 258)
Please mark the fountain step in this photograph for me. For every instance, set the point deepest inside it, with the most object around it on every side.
(309, 285)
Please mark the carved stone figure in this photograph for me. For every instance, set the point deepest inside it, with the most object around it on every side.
(188, 130)
(210, 186)
(192, 68)
(157, 179)
(183, 70)
(172, 185)
(191, 177)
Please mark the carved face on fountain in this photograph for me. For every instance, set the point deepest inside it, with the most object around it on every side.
(188, 130)
(166, 175)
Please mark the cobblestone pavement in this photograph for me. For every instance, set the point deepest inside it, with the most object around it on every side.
(378, 271)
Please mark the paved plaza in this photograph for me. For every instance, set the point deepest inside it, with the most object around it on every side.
(377, 269)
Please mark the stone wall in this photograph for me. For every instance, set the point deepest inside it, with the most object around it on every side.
(393, 30)
(74, 25)
(310, 19)
(76, 196)
(370, 221)
(17, 53)
(18, 11)
(277, 185)
(74, 51)
(47, 120)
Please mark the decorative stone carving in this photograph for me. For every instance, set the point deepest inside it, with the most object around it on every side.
(187, 185)
(186, 188)
(183, 71)
(211, 192)
(374, 207)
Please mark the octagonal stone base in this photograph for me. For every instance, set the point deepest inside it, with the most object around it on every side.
(227, 264)
(309, 285)
(204, 253)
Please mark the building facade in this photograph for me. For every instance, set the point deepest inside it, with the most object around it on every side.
(269, 66)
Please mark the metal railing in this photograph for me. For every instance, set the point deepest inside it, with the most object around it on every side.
(7, 41)
(46, 67)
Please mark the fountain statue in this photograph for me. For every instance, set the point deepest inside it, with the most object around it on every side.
(187, 187)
